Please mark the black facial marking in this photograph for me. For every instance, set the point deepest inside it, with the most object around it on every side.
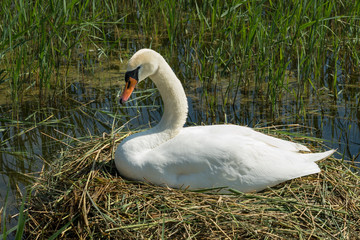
(133, 74)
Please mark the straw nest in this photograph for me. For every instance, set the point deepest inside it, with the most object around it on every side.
(81, 196)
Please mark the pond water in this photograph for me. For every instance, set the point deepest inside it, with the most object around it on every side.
(34, 133)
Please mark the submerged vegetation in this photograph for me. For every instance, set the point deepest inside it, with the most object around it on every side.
(295, 57)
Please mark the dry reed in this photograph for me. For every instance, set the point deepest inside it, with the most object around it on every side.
(81, 196)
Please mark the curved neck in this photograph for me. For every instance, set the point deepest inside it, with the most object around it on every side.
(132, 151)
(174, 98)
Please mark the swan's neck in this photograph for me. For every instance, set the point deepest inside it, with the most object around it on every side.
(131, 153)
(173, 119)
(174, 98)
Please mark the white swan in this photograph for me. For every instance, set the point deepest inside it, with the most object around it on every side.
(203, 156)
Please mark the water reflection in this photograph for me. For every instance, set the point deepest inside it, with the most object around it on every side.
(41, 131)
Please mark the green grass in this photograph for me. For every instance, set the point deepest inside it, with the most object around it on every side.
(22, 218)
(247, 41)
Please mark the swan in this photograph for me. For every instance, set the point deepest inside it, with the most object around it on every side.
(202, 157)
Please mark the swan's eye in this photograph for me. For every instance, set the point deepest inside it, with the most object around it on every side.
(132, 74)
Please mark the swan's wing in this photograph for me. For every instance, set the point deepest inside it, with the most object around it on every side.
(272, 141)
(217, 156)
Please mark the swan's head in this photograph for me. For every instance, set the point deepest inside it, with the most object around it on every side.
(141, 65)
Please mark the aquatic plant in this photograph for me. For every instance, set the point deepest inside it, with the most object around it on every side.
(248, 42)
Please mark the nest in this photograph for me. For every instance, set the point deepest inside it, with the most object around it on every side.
(82, 196)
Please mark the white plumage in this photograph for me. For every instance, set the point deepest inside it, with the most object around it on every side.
(205, 156)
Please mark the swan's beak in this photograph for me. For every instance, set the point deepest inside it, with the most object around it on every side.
(129, 88)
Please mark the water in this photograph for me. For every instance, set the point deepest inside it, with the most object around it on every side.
(35, 133)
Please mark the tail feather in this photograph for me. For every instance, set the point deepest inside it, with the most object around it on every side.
(314, 157)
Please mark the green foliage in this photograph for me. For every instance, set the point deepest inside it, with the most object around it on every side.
(286, 46)
(19, 228)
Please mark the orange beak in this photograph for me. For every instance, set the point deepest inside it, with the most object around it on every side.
(129, 88)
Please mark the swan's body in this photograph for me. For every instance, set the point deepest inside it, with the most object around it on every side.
(205, 156)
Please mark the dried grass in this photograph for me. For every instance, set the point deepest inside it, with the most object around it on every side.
(81, 196)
